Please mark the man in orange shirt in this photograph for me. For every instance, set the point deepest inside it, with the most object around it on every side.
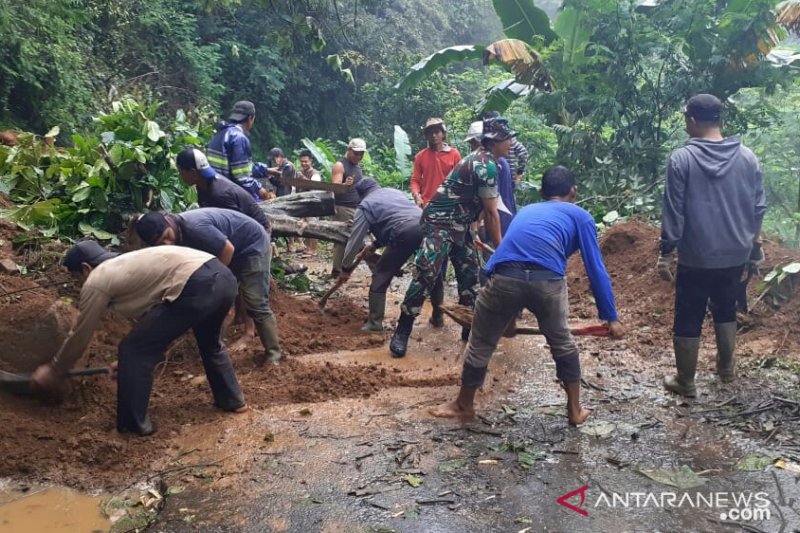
(431, 166)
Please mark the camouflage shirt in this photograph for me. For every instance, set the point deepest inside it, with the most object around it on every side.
(459, 198)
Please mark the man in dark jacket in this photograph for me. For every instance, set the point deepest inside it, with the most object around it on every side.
(394, 222)
(713, 208)
(236, 240)
(230, 153)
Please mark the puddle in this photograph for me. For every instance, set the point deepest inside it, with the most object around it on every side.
(51, 510)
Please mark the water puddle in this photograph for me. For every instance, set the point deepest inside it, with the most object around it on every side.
(51, 510)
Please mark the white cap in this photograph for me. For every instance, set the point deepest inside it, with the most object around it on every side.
(475, 131)
(357, 145)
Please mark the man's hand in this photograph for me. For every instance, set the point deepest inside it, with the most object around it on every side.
(45, 379)
(349, 180)
(275, 171)
(615, 329)
(262, 193)
(664, 267)
(756, 256)
(418, 200)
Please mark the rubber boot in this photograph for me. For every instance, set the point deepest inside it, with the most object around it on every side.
(437, 299)
(399, 342)
(377, 305)
(268, 333)
(686, 349)
(726, 347)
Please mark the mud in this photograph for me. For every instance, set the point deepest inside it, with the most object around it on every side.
(335, 433)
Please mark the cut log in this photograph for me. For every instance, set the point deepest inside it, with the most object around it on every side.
(303, 204)
(325, 230)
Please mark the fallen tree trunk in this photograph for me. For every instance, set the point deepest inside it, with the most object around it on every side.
(303, 204)
(325, 230)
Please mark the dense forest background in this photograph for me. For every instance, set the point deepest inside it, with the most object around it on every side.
(597, 85)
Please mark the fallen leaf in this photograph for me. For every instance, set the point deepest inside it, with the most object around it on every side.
(683, 478)
(488, 462)
(412, 480)
(788, 466)
(753, 462)
(452, 465)
(598, 428)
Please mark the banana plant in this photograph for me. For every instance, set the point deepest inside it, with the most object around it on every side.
(543, 56)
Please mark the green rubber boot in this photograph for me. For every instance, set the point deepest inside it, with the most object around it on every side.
(686, 350)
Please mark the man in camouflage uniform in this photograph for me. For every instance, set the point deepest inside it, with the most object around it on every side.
(471, 188)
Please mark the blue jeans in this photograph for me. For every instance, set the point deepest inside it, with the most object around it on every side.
(253, 273)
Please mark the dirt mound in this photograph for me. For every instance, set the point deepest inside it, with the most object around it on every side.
(646, 303)
(304, 329)
(33, 332)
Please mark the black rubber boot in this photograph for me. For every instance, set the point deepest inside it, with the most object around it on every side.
(399, 342)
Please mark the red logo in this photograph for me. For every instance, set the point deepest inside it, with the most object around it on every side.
(563, 500)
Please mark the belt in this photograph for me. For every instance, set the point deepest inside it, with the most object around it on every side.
(525, 272)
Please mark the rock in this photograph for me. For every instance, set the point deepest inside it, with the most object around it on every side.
(8, 266)
(198, 381)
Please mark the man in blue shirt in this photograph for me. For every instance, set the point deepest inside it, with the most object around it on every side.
(239, 242)
(527, 271)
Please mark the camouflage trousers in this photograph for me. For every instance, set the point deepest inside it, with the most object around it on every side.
(439, 242)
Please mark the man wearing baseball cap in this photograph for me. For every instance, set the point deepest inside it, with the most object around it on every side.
(713, 208)
(431, 166)
(347, 170)
(167, 291)
(471, 188)
(230, 153)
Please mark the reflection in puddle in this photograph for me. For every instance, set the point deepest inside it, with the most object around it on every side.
(51, 510)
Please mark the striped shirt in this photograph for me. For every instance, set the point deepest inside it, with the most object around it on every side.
(230, 154)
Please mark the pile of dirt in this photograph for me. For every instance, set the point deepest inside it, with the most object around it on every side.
(646, 303)
(305, 329)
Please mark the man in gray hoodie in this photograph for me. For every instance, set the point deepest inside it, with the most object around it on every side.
(713, 208)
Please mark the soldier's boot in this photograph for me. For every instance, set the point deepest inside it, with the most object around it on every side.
(437, 299)
(399, 343)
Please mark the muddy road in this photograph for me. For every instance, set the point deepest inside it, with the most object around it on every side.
(340, 438)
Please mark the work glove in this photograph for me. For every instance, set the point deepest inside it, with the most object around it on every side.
(664, 267)
(756, 256)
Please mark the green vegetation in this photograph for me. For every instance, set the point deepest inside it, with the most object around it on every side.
(596, 85)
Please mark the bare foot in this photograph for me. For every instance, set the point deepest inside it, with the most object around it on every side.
(576, 419)
(243, 409)
(452, 410)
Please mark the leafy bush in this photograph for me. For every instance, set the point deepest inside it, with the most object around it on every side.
(123, 165)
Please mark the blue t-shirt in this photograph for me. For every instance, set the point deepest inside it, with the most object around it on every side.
(208, 228)
(546, 234)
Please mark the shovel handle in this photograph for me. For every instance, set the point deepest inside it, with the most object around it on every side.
(76, 372)
(594, 331)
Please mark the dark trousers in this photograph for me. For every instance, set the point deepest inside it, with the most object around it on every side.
(394, 256)
(201, 307)
(697, 289)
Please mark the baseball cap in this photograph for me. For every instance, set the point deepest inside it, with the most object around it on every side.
(86, 252)
(194, 159)
(366, 186)
(497, 129)
(151, 226)
(475, 131)
(704, 108)
(241, 110)
(434, 121)
(357, 145)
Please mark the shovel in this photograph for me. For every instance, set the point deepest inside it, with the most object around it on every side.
(463, 317)
(341, 281)
(21, 383)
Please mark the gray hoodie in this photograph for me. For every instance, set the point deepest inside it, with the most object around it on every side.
(713, 203)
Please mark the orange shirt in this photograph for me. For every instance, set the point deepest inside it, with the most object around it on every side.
(430, 170)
